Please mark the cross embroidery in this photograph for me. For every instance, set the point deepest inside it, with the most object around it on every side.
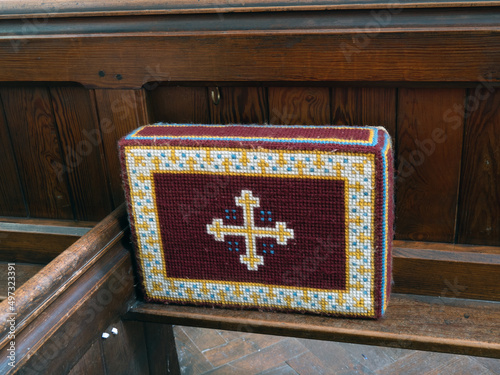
(251, 232)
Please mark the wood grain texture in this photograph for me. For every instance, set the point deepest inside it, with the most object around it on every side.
(299, 106)
(120, 112)
(239, 105)
(11, 194)
(40, 248)
(23, 272)
(365, 106)
(176, 104)
(40, 290)
(91, 283)
(161, 349)
(14, 9)
(125, 353)
(37, 150)
(479, 206)
(81, 142)
(411, 322)
(91, 361)
(429, 155)
(205, 58)
(446, 273)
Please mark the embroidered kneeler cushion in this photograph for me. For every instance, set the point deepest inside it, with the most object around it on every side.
(289, 218)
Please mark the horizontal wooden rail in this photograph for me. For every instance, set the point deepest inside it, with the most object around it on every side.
(412, 322)
(59, 8)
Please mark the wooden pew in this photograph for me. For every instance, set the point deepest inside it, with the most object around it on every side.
(64, 310)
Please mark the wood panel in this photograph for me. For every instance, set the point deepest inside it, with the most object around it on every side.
(413, 322)
(365, 106)
(81, 142)
(446, 270)
(175, 104)
(238, 105)
(22, 273)
(479, 208)
(120, 112)
(299, 106)
(11, 193)
(32, 247)
(162, 353)
(38, 151)
(91, 362)
(125, 353)
(223, 56)
(429, 152)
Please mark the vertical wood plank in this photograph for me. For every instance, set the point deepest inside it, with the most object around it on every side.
(162, 353)
(429, 149)
(11, 193)
(81, 142)
(126, 352)
(120, 112)
(479, 208)
(299, 105)
(365, 106)
(91, 362)
(37, 150)
(180, 105)
(239, 105)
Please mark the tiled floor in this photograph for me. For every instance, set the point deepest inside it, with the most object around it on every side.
(206, 351)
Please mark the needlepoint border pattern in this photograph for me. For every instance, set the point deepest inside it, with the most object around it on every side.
(358, 299)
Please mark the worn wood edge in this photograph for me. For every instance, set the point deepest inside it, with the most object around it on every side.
(48, 222)
(309, 327)
(56, 8)
(50, 328)
(63, 271)
(446, 247)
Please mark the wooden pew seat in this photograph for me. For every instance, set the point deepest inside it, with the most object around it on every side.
(63, 311)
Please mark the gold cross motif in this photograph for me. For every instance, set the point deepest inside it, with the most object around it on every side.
(190, 293)
(281, 160)
(300, 166)
(251, 232)
(156, 271)
(174, 159)
(222, 295)
(338, 168)
(143, 178)
(157, 287)
(364, 237)
(140, 194)
(244, 158)
(208, 158)
(146, 210)
(191, 162)
(227, 163)
(359, 167)
(362, 203)
(142, 226)
(305, 297)
(157, 162)
(318, 162)
(263, 164)
(356, 186)
(360, 303)
(150, 257)
(139, 160)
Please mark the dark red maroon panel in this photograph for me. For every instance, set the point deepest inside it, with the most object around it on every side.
(314, 209)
